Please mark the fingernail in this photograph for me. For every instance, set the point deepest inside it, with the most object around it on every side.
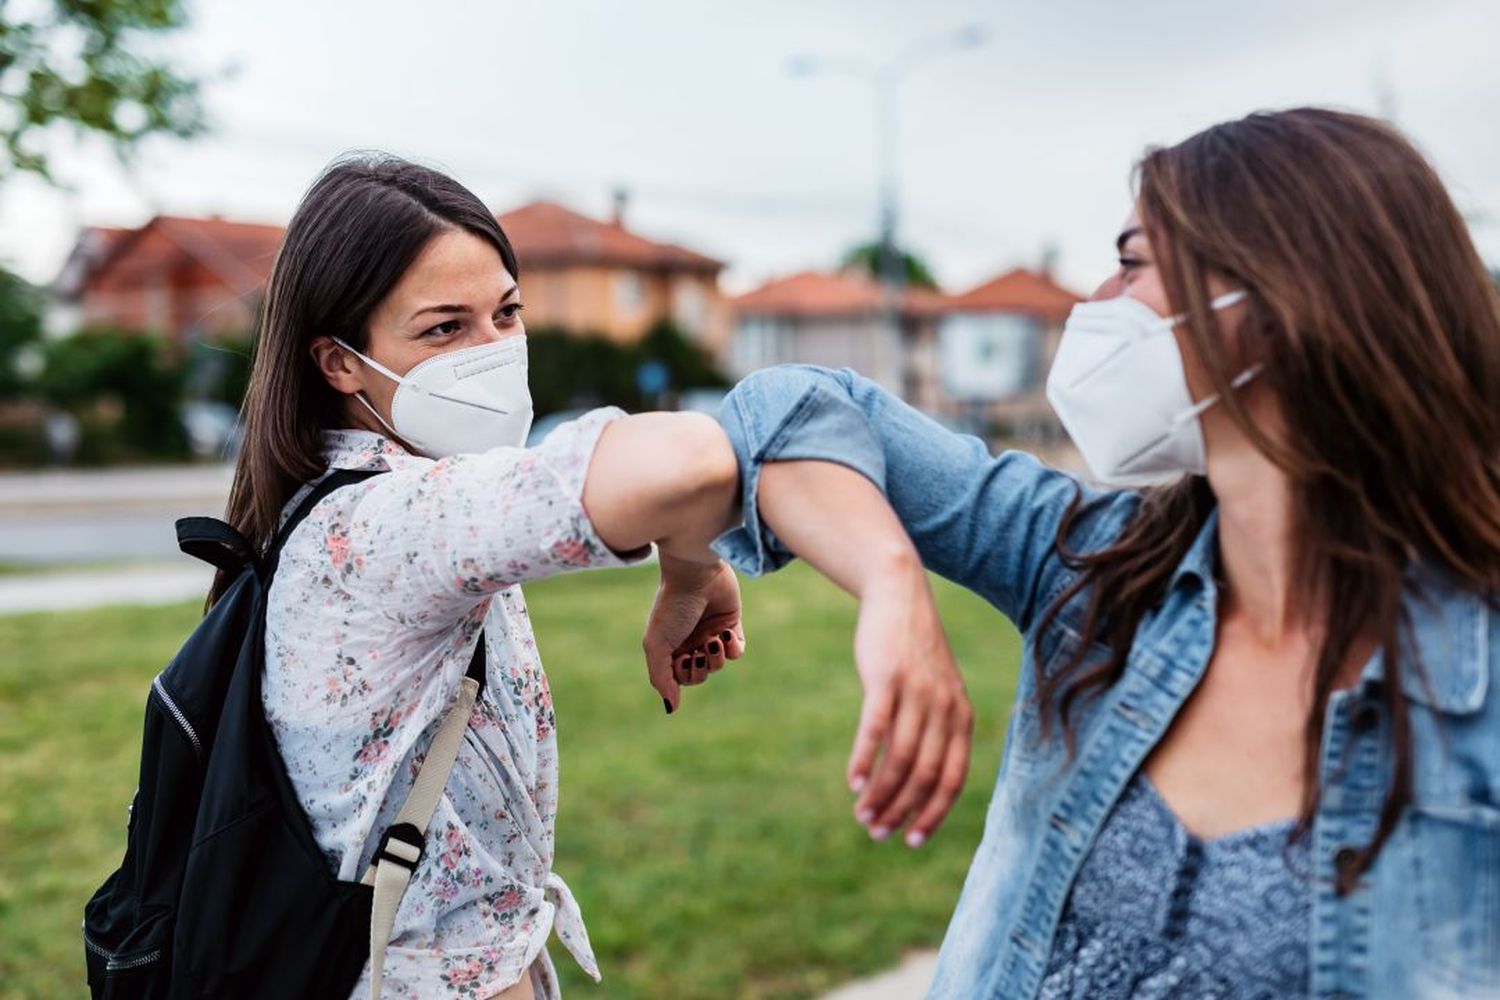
(667, 705)
(864, 816)
(726, 635)
(879, 833)
(713, 647)
(857, 783)
(915, 840)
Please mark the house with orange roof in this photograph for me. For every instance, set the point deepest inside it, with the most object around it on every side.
(587, 275)
(184, 277)
(995, 345)
(977, 359)
(839, 319)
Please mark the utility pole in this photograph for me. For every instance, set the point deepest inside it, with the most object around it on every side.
(885, 80)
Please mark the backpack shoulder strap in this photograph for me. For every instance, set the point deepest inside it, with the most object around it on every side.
(216, 543)
(402, 843)
(336, 479)
(222, 546)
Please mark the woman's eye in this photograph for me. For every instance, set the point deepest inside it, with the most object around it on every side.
(444, 329)
(510, 313)
(1128, 264)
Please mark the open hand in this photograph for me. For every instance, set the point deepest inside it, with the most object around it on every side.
(915, 710)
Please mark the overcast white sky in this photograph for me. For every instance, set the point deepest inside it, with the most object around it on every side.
(1026, 141)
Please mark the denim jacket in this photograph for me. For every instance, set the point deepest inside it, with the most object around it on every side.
(1423, 922)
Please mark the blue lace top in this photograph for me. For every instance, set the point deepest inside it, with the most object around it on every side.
(1156, 912)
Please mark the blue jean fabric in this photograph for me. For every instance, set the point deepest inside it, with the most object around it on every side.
(1424, 921)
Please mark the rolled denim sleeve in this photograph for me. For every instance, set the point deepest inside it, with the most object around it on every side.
(988, 523)
(790, 413)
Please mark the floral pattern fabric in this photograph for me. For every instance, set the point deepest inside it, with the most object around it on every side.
(373, 616)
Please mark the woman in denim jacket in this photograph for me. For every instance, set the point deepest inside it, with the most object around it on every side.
(1255, 750)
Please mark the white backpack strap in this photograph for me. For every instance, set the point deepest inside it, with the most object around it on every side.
(401, 847)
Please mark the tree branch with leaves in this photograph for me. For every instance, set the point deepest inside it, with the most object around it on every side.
(84, 63)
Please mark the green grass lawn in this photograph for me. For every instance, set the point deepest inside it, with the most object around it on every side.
(712, 852)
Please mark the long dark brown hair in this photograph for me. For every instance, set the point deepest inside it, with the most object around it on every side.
(357, 230)
(1379, 331)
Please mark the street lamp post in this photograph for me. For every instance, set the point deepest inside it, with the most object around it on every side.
(885, 79)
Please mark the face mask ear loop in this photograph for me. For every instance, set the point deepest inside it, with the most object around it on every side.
(1197, 409)
(1203, 404)
(360, 396)
(382, 369)
(1227, 299)
(1222, 302)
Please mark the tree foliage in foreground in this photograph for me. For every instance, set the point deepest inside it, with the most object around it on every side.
(90, 64)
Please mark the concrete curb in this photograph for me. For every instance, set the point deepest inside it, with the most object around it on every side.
(908, 981)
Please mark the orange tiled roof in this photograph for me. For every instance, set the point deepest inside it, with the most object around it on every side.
(94, 243)
(240, 253)
(830, 293)
(1018, 290)
(546, 233)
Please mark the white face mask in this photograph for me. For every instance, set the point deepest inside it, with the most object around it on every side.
(461, 401)
(1119, 388)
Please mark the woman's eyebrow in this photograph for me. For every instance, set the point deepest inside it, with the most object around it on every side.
(1125, 237)
(440, 309)
(452, 308)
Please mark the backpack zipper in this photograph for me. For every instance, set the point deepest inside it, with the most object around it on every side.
(124, 964)
(97, 948)
(113, 964)
(177, 713)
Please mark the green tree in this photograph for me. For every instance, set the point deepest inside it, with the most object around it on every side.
(866, 257)
(79, 62)
(124, 387)
(20, 330)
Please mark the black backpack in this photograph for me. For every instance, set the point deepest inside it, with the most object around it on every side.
(223, 891)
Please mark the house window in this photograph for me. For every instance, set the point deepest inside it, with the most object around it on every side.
(988, 356)
(760, 342)
(630, 292)
(689, 305)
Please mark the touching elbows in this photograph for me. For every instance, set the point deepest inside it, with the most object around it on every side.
(669, 478)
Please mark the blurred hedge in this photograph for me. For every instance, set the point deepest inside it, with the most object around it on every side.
(573, 371)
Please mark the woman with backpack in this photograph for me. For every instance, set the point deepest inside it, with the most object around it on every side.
(392, 342)
(1255, 747)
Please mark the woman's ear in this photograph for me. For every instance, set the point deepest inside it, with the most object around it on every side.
(340, 368)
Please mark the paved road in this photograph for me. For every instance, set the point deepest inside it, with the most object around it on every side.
(65, 517)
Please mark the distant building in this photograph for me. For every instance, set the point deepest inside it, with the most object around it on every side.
(178, 276)
(978, 359)
(589, 276)
(995, 346)
(187, 276)
(839, 319)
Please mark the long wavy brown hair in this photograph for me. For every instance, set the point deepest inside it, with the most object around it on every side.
(1379, 330)
(356, 231)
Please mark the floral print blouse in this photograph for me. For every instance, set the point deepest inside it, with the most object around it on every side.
(373, 614)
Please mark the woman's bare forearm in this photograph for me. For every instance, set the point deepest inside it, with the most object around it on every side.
(667, 478)
(838, 522)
